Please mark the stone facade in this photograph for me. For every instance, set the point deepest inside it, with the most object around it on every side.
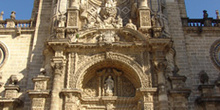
(109, 55)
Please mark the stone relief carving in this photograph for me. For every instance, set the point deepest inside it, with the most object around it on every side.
(127, 87)
(145, 18)
(38, 103)
(106, 14)
(91, 87)
(131, 25)
(72, 19)
(40, 85)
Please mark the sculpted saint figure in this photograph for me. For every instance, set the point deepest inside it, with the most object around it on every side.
(109, 86)
(131, 25)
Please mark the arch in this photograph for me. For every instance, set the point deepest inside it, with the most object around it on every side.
(136, 69)
(3, 54)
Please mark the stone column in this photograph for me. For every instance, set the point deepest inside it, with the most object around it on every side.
(58, 63)
(40, 92)
(118, 84)
(99, 74)
(162, 92)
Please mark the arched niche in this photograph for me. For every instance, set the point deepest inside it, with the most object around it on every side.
(95, 81)
(131, 68)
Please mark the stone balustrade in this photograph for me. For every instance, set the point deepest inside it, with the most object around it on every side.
(10, 23)
(209, 22)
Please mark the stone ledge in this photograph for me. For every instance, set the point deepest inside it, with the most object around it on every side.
(10, 100)
(182, 91)
(36, 93)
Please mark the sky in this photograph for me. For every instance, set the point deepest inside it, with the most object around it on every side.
(23, 8)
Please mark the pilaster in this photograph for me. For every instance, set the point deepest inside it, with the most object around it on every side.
(72, 99)
(40, 92)
(73, 18)
(148, 98)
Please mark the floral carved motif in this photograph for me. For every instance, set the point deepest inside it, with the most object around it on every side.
(72, 19)
(91, 87)
(38, 103)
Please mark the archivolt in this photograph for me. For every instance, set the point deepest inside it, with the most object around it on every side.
(129, 62)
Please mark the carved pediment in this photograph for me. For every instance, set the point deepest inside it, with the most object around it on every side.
(108, 36)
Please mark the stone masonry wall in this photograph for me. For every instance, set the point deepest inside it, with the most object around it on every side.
(177, 34)
(16, 64)
(42, 33)
(198, 47)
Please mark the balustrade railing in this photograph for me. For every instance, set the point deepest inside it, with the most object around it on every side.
(8, 23)
(209, 22)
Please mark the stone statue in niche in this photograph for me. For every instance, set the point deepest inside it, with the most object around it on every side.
(156, 21)
(109, 86)
(204, 78)
(62, 19)
(134, 8)
(131, 25)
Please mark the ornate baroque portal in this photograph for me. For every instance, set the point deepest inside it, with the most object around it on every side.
(106, 55)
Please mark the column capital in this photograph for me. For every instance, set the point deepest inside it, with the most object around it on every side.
(160, 66)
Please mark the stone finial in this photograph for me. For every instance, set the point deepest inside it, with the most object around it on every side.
(175, 71)
(13, 15)
(203, 76)
(217, 14)
(13, 79)
(1, 16)
(42, 71)
(205, 14)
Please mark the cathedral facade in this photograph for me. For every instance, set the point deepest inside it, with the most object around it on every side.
(110, 55)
